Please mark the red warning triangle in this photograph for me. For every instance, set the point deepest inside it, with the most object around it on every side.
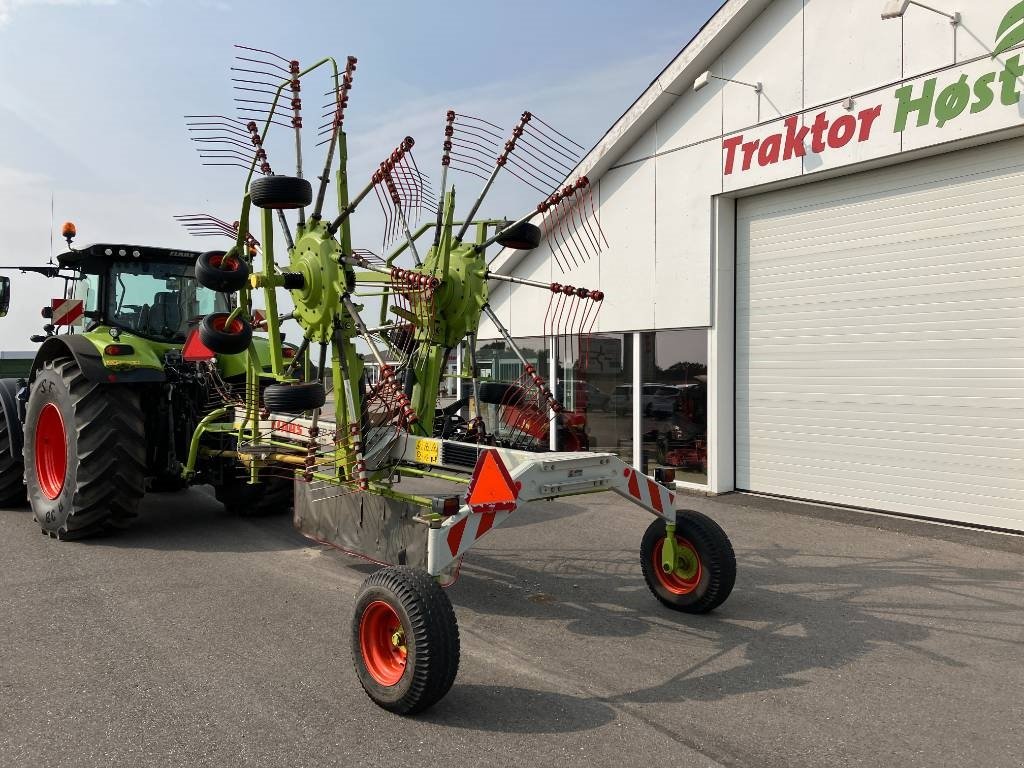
(194, 348)
(491, 488)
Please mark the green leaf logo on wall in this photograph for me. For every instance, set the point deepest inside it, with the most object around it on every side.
(1011, 30)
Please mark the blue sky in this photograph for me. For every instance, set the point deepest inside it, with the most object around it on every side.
(92, 94)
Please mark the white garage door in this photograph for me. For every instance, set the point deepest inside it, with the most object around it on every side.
(880, 339)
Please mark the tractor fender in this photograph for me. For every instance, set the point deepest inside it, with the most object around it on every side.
(14, 412)
(89, 360)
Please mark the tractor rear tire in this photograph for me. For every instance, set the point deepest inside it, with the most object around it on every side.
(12, 462)
(87, 448)
(405, 640)
(222, 338)
(294, 398)
(219, 272)
(707, 569)
(281, 192)
(271, 496)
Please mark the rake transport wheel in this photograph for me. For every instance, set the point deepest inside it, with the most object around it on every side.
(281, 192)
(271, 496)
(223, 337)
(405, 641)
(219, 272)
(705, 569)
(12, 465)
(86, 445)
(294, 398)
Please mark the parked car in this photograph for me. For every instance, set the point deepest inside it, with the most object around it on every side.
(656, 399)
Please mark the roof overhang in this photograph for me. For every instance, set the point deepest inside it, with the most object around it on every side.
(675, 80)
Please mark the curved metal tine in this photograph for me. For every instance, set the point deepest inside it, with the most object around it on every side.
(258, 72)
(570, 227)
(476, 162)
(542, 138)
(540, 156)
(559, 133)
(475, 146)
(455, 167)
(221, 140)
(542, 177)
(233, 165)
(267, 91)
(262, 62)
(261, 50)
(212, 126)
(475, 119)
(579, 213)
(527, 182)
(255, 101)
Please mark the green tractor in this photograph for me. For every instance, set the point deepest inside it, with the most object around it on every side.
(110, 407)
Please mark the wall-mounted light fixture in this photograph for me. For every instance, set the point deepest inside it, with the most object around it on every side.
(894, 9)
(705, 79)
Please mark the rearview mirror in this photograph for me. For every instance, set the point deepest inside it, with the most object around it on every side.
(523, 236)
(5, 295)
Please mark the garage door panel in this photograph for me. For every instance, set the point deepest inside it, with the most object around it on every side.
(864, 479)
(880, 339)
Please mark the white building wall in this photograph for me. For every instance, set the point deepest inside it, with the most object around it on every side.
(810, 55)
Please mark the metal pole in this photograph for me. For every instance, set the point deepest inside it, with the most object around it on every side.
(518, 280)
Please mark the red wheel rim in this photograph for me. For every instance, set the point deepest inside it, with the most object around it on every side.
(678, 582)
(382, 643)
(219, 323)
(228, 263)
(51, 451)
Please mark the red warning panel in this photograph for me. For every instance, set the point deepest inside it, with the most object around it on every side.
(67, 311)
(491, 488)
(194, 349)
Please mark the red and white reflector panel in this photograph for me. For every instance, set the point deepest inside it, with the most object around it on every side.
(491, 489)
(194, 349)
(258, 319)
(67, 311)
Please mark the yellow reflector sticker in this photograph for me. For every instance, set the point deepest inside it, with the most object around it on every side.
(428, 452)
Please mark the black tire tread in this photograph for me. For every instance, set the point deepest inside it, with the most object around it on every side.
(273, 495)
(716, 553)
(294, 398)
(111, 473)
(12, 469)
(280, 192)
(435, 634)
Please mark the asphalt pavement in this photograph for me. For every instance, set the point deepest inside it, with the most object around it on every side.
(198, 639)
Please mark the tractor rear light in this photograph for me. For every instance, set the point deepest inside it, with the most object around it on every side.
(447, 505)
(288, 353)
(118, 350)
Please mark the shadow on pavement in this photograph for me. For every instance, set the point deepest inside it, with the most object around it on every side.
(503, 709)
(793, 611)
(194, 521)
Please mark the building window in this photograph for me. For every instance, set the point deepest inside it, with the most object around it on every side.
(674, 398)
(595, 385)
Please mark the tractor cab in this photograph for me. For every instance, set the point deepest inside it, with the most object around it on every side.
(146, 291)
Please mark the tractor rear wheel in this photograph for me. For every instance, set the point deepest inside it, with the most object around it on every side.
(705, 565)
(405, 640)
(12, 463)
(86, 445)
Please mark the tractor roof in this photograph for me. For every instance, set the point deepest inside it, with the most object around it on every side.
(97, 257)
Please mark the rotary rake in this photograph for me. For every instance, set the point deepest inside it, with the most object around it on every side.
(380, 472)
